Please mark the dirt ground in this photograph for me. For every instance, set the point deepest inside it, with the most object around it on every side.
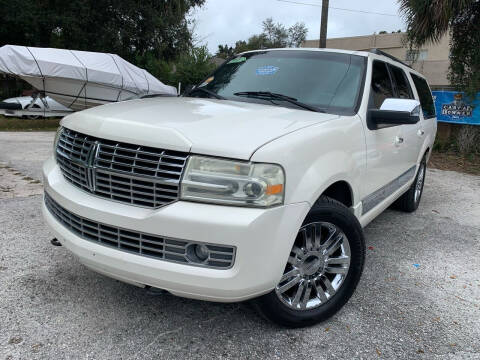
(15, 184)
(469, 164)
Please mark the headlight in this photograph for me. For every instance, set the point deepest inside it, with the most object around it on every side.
(55, 141)
(233, 182)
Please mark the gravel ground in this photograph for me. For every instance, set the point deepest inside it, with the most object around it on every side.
(419, 296)
(26, 151)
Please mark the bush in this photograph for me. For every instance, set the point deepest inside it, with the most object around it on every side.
(189, 69)
(468, 139)
(193, 67)
(463, 139)
(161, 69)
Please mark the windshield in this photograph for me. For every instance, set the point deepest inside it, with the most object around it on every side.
(325, 80)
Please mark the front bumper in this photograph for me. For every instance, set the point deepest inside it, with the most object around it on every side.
(263, 239)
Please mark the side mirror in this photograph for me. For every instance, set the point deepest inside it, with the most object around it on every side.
(394, 112)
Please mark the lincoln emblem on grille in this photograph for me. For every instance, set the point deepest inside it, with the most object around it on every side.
(90, 166)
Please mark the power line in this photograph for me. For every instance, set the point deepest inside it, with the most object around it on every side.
(336, 8)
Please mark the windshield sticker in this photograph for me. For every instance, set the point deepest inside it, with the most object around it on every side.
(238, 60)
(267, 70)
(206, 82)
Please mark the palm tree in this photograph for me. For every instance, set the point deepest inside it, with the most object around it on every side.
(429, 20)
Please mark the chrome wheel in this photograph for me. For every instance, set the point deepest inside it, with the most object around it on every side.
(317, 266)
(419, 183)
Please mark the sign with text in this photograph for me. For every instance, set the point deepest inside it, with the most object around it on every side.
(454, 107)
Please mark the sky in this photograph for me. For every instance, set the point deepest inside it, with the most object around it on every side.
(226, 21)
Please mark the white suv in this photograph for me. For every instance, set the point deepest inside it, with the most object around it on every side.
(255, 185)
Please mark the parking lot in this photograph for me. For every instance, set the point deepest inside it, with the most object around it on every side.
(419, 296)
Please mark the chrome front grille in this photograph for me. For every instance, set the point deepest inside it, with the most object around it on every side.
(220, 257)
(133, 174)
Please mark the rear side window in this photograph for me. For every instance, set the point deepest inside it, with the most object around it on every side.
(401, 83)
(381, 84)
(425, 96)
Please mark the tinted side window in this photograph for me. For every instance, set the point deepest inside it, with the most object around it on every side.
(381, 84)
(401, 83)
(425, 96)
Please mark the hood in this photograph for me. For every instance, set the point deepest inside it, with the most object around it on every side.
(202, 126)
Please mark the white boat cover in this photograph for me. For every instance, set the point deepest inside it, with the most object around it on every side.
(79, 79)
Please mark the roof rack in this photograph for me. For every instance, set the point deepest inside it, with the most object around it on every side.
(383, 53)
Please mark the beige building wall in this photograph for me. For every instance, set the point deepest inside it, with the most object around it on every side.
(433, 62)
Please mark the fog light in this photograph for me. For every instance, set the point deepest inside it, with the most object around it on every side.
(198, 253)
(202, 252)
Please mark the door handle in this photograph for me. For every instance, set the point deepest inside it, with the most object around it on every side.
(398, 140)
(420, 132)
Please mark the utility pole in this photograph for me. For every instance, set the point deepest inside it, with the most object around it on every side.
(323, 24)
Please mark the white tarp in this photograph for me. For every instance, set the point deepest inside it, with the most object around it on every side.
(79, 79)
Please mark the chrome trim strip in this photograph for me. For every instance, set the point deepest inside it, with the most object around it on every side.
(375, 198)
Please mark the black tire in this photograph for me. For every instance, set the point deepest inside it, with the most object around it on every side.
(330, 211)
(34, 117)
(408, 202)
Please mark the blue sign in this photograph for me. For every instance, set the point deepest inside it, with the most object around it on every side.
(453, 107)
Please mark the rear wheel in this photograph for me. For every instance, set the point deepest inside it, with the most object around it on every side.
(323, 269)
(409, 201)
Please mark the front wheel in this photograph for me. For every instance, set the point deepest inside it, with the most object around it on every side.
(323, 269)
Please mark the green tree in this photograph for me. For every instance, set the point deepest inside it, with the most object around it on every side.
(129, 28)
(225, 51)
(241, 46)
(254, 42)
(193, 67)
(297, 34)
(429, 20)
(274, 35)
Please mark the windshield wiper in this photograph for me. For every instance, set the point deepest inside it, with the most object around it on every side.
(206, 91)
(270, 95)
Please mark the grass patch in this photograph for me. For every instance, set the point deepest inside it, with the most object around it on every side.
(17, 124)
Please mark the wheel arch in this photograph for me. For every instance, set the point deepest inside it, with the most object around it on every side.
(340, 191)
